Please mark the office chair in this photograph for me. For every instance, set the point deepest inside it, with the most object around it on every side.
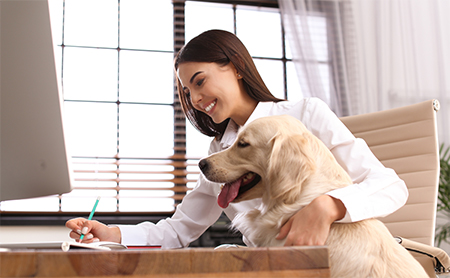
(405, 139)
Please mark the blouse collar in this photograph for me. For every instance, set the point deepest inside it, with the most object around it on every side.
(230, 134)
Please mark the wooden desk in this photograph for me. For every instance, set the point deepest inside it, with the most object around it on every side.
(189, 262)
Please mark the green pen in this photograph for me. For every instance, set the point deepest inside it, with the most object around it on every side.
(91, 215)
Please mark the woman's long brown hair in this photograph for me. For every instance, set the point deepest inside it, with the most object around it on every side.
(221, 47)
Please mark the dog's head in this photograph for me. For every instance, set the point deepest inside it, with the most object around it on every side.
(270, 157)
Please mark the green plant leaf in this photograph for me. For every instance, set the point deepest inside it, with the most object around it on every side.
(443, 231)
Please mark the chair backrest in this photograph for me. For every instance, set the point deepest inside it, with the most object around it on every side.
(405, 139)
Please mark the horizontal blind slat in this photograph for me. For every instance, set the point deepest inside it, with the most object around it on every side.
(174, 172)
(175, 180)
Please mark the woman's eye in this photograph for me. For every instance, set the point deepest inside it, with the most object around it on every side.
(200, 82)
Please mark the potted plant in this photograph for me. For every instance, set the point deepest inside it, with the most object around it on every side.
(443, 231)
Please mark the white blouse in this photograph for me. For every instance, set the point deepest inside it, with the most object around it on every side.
(376, 191)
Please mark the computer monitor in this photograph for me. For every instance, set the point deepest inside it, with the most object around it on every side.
(33, 155)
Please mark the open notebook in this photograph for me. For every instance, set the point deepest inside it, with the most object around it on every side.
(63, 245)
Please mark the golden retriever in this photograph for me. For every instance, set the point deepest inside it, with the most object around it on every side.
(277, 159)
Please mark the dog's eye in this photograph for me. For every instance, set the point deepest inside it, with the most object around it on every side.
(243, 144)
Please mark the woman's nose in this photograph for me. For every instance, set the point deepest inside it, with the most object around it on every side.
(196, 98)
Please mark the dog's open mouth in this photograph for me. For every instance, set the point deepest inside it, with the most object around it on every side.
(232, 190)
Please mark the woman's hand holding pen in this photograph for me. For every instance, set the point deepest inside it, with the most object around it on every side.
(92, 230)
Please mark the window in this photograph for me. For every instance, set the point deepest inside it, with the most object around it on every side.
(129, 140)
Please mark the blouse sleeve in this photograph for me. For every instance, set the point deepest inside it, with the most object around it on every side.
(198, 211)
(376, 191)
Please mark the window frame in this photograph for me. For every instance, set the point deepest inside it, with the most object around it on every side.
(27, 218)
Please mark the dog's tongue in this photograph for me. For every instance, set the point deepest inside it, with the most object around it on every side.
(229, 193)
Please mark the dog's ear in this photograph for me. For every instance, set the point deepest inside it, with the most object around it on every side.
(291, 163)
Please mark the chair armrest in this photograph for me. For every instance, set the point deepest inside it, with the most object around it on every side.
(440, 258)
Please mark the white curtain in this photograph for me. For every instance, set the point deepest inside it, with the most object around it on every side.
(382, 53)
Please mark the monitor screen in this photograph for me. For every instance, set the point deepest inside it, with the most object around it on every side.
(33, 156)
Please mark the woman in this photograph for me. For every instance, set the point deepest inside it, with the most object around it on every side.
(221, 90)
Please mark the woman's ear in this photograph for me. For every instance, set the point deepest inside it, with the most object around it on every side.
(291, 163)
(237, 70)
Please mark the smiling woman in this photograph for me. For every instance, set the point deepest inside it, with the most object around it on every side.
(127, 135)
(228, 79)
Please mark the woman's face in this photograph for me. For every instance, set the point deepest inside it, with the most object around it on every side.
(216, 90)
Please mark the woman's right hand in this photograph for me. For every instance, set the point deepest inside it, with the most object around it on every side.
(93, 231)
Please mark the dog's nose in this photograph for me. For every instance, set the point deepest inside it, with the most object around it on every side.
(203, 165)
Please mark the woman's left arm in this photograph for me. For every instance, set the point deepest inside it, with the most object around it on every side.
(376, 190)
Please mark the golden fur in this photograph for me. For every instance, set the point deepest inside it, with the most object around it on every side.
(296, 167)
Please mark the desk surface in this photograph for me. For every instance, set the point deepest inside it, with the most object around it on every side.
(189, 262)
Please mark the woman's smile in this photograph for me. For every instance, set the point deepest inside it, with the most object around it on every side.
(210, 106)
